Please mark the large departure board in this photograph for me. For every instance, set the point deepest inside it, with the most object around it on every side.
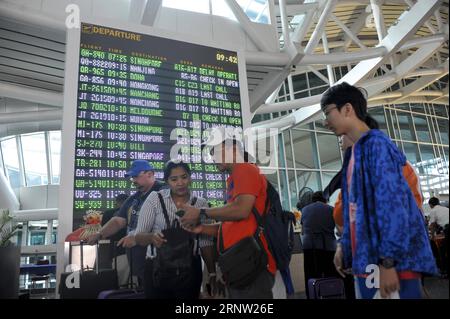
(139, 96)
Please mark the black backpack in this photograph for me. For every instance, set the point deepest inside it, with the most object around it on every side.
(172, 266)
(277, 226)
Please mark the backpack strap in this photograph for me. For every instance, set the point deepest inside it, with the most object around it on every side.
(260, 220)
(197, 237)
(220, 240)
(164, 209)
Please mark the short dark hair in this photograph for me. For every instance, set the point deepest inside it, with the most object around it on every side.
(318, 197)
(343, 93)
(172, 164)
(433, 201)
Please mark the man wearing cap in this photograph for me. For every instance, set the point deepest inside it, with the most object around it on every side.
(142, 175)
(246, 188)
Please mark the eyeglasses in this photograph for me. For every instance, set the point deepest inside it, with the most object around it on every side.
(327, 112)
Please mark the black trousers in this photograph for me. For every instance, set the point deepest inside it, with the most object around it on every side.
(318, 263)
(186, 290)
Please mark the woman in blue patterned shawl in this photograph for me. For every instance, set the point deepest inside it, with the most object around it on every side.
(385, 241)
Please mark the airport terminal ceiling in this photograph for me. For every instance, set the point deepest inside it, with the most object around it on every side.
(397, 50)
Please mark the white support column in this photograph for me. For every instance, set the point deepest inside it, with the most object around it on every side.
(437, 15)
(151, 12)
(347, 31)
(302, 29)
(48, 233)
(291, 88)
(246, 24)
(329, 66)
(273, 17)
(427, 23)
(284, 22)
(317, 33)
(8, 199)
(355, 28)
(137, 8)
(379, 19)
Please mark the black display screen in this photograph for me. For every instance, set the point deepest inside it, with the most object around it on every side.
(138, 97)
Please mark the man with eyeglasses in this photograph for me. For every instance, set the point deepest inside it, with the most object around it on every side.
(142, 175)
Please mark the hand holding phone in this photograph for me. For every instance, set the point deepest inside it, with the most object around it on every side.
(180, 213)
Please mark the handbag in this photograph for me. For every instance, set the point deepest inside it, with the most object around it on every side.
(243, 262)
(172, 266)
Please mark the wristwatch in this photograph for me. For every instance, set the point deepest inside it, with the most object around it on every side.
(387, 262)
(203, 212)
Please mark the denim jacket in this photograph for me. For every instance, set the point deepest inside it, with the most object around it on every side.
(388, 221)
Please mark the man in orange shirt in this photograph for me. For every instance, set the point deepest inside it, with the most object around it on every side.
(246, 188)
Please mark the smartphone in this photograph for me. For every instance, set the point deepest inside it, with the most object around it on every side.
(180, 213)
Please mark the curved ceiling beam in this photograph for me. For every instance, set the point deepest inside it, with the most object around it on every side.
(29, 94)
(23, 128)
(32, 116)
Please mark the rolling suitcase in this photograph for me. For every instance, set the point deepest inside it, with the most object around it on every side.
(121, 294)
(91, 282)
(326, 288)
(125, 293)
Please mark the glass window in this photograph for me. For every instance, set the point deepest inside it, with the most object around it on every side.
(423, 132)
(440, 110)
(378, 114)
(305, 150)
(272, 177)
(315, 81)
(35, 159)
(299, 82)
(417, 108)
(326, 179)
(301, 94)
(281, 157)
(283, 189)
(412, 152)
(320, 127)
(391, 121)
(219, 8)
(308, 179)
(11, 161)
(406, 126)
(288, 149)
(330, 156)
(55, 155)
(319, 90)
(428, 159)
(292, 189)
(256, 10)
(443, 129)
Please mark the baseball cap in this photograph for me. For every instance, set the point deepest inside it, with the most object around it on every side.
(219, 135)
(138, 166)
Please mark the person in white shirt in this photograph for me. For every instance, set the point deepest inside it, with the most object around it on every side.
(438, 214)
(439, 225)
